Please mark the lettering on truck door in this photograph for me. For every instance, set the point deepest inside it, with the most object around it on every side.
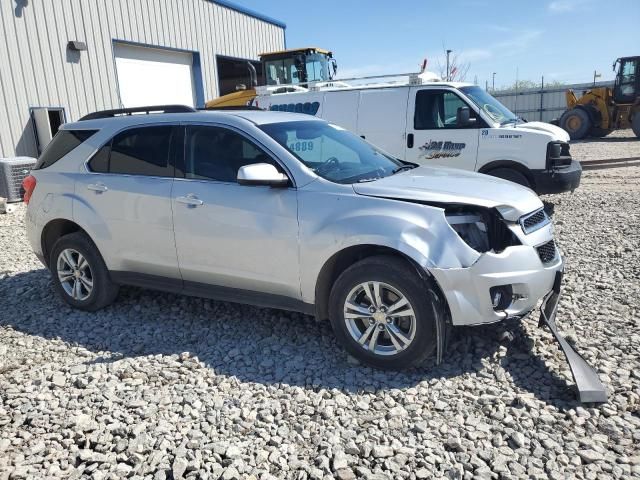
(434, 136)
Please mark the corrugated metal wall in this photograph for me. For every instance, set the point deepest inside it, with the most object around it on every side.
(36, 69)
(542, 104)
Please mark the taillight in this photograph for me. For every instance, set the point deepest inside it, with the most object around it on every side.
(29, 185)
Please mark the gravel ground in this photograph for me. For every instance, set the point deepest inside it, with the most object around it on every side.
(163, 386)
(618, 144)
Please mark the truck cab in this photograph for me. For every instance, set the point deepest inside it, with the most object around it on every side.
(447, 124)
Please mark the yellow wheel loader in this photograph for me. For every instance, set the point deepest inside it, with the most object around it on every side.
(602, 109)
(295, 67)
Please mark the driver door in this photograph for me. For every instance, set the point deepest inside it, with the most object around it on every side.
(433, 135)
(626, 88)
(230, 235)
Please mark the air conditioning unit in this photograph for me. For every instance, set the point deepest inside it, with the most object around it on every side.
(12, 172)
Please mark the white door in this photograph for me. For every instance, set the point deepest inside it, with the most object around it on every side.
(433, 134)
(382, 118)
(154, 76)
(341, 108)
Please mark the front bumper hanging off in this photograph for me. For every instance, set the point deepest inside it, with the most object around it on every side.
(590, 388)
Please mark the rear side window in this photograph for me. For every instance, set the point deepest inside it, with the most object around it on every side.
(63, 142)
(138, 151)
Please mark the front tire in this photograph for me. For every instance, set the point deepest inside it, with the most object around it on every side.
(576, 123)
(635, 124)
(79, 273)
(384, 314)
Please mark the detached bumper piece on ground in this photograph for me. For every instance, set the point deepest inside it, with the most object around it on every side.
(590, 388)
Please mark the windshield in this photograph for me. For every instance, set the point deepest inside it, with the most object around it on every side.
(332, 152)
(296, 69)
(492, 107)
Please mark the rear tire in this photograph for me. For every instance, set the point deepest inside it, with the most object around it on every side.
(79, 273)
(599, 132)
(635, 124)
(512, 175)
(382, 302)
(576, 122)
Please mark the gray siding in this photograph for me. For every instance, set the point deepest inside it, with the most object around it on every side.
(542, 104)
(36, 69)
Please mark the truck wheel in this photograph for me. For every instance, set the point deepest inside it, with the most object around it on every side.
(512, 175)
(598, 132)
(79, 273)
(635, 124)
(576, 122)
(384, 314)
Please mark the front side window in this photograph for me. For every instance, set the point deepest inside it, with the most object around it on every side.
(64, 142)
(214, 153)
(437, 109)
(332, 152)
(137, 151)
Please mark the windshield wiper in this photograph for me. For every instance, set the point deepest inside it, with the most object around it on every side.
(403, 168)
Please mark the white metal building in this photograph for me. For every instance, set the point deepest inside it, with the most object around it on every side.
(60, 59)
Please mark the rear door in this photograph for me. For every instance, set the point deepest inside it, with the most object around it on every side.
(382, 116)
(230, 235)
(433, 135)
(125, 200)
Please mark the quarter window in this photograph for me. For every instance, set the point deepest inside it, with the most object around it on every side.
(437, 110)
(63, 142)
(214, 153)
(137, 151)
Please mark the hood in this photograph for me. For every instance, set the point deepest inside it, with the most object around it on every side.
(557, 132)
(448, 185)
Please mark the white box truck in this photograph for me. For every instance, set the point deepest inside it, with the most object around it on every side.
(431, 122)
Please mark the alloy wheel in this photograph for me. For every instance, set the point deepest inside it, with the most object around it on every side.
(380, 318)
(74, 274)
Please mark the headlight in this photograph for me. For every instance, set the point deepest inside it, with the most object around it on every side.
(470, 226)
(558, 155)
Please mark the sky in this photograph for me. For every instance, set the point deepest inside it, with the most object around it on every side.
(564, 40)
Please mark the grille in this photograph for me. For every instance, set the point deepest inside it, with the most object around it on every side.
(534, 221)
(12, 172)
(547, 251)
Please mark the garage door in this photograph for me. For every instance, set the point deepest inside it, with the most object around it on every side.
(154, 76)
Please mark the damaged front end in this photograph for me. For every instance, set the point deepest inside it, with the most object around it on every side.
(518, 266)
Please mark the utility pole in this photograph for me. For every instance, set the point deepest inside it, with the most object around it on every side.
(493, 82)
(596, 75)
(448, 53)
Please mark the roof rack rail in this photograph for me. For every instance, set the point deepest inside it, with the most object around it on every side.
(412, 78)
(117, 112)
(233, 107)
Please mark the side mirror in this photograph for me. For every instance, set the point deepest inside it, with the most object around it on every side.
(262, 174)
(463, 117)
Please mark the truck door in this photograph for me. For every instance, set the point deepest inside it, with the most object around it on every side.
(382, 118)
(433, 134)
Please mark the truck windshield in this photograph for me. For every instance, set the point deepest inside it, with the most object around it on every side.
(492, 107)
(332, 152)
(297, 69)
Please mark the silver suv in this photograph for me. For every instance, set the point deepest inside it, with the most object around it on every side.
(285, 210)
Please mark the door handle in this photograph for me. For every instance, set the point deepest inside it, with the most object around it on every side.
(97, 187)
(190, 200)
(410, 140)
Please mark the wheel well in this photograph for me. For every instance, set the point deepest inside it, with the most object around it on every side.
(53, 231)
(509, 164)
(342, 260)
